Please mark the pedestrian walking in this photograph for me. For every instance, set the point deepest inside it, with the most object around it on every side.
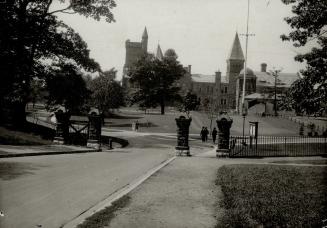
(202, 134)
(137, 126)
(214, 135)
(206, 133)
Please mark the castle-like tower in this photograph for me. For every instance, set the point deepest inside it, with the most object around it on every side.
(235, 63)
(134, 51)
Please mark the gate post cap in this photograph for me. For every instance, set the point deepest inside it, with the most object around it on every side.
(94, 111)
(223, 116)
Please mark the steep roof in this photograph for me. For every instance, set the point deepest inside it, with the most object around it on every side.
(236, 51)
(159, 54)
(145, 33)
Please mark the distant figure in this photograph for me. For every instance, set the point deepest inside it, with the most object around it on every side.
(206, 133)
(214, 134)
(202, 134)
(137, 126)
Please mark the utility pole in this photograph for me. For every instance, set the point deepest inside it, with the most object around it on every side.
(245, 65)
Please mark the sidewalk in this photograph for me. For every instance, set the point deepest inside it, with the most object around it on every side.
(7, 151)
(182, 194)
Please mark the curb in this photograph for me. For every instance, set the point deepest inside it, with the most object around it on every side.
(48, 153)
(115, 196)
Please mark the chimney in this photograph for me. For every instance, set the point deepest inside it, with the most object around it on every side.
(218, 77)
(189, 68)
(263, 67)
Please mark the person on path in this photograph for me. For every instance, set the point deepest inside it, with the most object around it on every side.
(206, 133)
(137, 126)
(202, 134)
(214, 135)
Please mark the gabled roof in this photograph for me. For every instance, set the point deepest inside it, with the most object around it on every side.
(159, 54)
(145, 33)
(236, 51)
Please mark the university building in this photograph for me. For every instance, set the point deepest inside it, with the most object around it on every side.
(224, 91)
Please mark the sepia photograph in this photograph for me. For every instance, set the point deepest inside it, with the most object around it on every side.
(163, 113)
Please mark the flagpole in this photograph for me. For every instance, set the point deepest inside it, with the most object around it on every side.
(245, 68)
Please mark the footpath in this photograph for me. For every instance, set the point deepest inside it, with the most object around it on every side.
(182, 194)
(7, 151)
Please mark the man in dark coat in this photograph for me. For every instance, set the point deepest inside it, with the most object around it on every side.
(214, 134)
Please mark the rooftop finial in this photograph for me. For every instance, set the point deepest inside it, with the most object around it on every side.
(145, 33)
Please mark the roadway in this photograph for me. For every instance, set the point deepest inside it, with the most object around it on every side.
(49, 191)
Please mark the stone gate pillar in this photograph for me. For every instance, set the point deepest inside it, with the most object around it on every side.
(183, 126)
(224, 123)
(94, 131)
(62, 127)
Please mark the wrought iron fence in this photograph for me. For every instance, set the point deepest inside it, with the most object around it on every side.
(277, 146)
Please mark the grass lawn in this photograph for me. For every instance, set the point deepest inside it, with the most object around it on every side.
(12, 137)
(155, 122)
(272, 196)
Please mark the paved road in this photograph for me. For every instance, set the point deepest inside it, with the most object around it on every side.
(52, 190)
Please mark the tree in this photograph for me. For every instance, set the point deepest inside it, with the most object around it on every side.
(156, 81)
(190, 102)
(67, 87)
(106, 93)
(309, 24)
(34, 43)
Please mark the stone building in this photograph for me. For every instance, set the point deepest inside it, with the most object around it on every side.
(225, 92)
(134, 51)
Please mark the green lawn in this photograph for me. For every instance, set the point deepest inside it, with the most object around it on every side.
(155, 122)
(272, 196)
(12, 137)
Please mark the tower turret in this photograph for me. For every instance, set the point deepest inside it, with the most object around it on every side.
(159, 54)
(145, 40)
(235, 63)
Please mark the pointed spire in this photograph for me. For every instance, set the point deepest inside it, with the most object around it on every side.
(145, 33)
(236, 51)
(159, 54)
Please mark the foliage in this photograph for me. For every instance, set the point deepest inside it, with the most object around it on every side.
(34, 42)
(155, 81)
(67, 87)
(272, 196)
(106, 93)
(309, 24)
(190, 102)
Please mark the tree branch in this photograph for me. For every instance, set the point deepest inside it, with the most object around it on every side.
(61, 10)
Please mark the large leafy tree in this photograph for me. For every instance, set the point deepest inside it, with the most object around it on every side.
(309, 24)
(67, 87)
(155, 81)
(107, 93)
(34, 43)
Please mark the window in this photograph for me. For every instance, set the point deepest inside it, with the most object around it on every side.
(225, 89)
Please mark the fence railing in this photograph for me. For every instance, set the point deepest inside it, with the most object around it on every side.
(277, 146)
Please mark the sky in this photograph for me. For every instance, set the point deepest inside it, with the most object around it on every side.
(200, 31)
